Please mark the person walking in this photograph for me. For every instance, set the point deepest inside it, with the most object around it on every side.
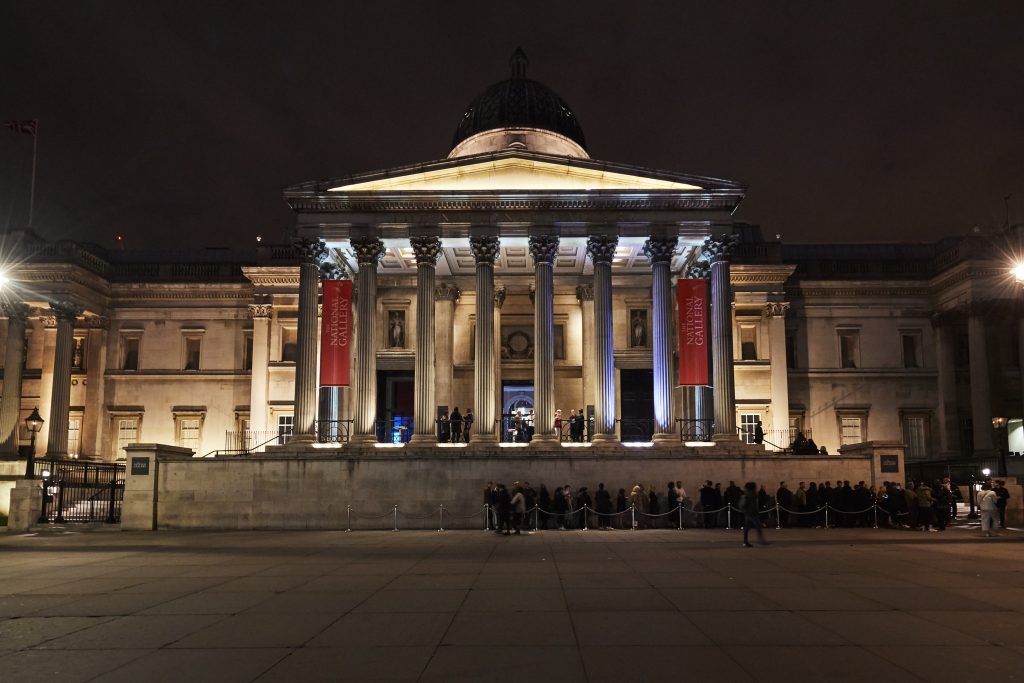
(988, 502)
(1002, 496)
(751, 514)
(603, 506)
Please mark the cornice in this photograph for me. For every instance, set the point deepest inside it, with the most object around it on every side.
(749, 274)
(272, 276)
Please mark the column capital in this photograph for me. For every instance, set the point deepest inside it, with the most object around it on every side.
(16, 311)
(485, 249)
(584, 293)
(601, 248)
(499, 297)
(310, 250)
(426, 250)
(97, 322)
(544, 248)
(447, 292)
(719, 249)
(776, 309)
(660, 249)
(261, 310)
(368, 250)
(66, 311)
(698, 270)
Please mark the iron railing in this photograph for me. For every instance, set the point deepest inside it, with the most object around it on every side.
(333, 431)
(255, 440)
(396, 430)
(76, 491)
(636, 429)
(566, 431)
(515, 428)
(695, 430)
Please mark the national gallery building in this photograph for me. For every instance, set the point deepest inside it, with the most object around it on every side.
(522, 281)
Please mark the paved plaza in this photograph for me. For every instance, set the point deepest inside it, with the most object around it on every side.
(866, 605)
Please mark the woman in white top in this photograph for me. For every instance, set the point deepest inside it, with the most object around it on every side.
(987, 499)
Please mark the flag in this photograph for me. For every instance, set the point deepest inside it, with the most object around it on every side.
(28, 126)
(693, 333)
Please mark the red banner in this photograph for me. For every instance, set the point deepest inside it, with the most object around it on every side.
(693, 333)
(336, 334)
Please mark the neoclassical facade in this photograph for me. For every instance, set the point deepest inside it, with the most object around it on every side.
(517, 274)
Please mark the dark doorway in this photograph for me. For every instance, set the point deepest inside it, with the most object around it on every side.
(516, 406)
(636, 390)
(394, 406)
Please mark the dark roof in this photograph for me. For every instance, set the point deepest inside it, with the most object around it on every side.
(519, 102)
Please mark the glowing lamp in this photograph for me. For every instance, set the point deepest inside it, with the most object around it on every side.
(986, 471)
(999, 422)
(1018, 272)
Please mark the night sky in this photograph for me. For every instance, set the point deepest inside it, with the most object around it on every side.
(180, 123)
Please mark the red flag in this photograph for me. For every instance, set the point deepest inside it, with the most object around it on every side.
(693, 332)
(29, 126)
(335, 334)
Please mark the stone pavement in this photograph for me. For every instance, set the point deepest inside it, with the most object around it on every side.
(554, 606)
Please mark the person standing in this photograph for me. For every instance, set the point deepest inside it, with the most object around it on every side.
(636, 501)
(987, 503)
(1002, 496)
(751, 508)
(621, 506)
(518, 504)
(504, 511)
(489, 503)
(784, 499)
(583, 505)
(455, 424)
(800, 503)
(925, 501)
(560, 508)
(603, 505)
(653, 508)
(940, 505)
(468, 421)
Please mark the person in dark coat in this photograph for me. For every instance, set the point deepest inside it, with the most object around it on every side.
(813, 503)
(751, 506)
(489, 501)
(652, 505)
(455, 425)
(544, 503)
(940, 504)
(583, 501)
(784, 497)
(707, 504)
(732, 496)
(504, 511)
(621, 506)
(1002, 497)
(671, 503)
(530, 496)
(560, 508)
(603, 505)
(468, 422)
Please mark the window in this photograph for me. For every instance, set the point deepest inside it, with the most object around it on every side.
(791, 350)
(127, 434)
(247, 352)
(130, 352)
(74, 436)
(189, 433)
(748, 423)
(748, 342)
(911, 344)
(849, 348)
(915, 435)
(289, 343)
(285, 426)
(193, 347)
(851, 430)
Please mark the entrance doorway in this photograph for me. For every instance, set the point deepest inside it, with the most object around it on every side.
(516, 406)
(394, 406)
(636, 389)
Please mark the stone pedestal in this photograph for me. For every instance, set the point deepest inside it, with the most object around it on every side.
(140, 509)
(26, 505)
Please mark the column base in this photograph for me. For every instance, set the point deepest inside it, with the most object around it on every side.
(423, 439)
(483, 439)
(362, 439)
(730, 437)
(604, 438)
(547, 441)
(665, 440)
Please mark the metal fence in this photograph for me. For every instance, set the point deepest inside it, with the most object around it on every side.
(76, 491)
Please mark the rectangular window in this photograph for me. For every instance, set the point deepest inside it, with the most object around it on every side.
(127, 434)
(911, 343)
(285, 425)
(247, 352)
(193, 347)
(748, 342)
(791, 351)
(189, 433)
(748, 423)
(915, 435)
(849, 348)
(851, 430)
(74, 436)
(289, 344)
(130, 353)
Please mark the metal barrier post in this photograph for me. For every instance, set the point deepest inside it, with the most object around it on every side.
(536, 514)
(728, 516)
(396, 518)
(778, 516)
(875, 509)
(632, 518)
(348, 513)
(440, 518)
(486, 516)
(826, 515)
(680, 508)
(585, 516)
(60, 502)
(113, 494)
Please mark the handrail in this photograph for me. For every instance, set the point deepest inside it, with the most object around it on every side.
(242, 451)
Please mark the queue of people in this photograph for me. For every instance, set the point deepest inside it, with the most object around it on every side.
(924, 506)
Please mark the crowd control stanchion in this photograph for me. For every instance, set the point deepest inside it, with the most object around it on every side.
(632, 518)
(487, 517)
(876, 516)
(396, 519)
(348, 513)
(680, 508)
(778, 516)
(585, 517)
(826, 515)
(536, 515)
(440, 518)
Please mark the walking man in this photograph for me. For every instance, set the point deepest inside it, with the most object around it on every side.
(751, 516)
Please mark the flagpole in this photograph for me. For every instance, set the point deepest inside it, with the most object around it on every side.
(32, 191)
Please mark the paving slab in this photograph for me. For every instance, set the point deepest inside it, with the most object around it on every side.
(351, 664)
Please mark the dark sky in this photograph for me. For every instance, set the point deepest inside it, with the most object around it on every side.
(181, 122)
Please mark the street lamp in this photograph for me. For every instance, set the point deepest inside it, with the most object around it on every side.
(34, 423)
(999, 423)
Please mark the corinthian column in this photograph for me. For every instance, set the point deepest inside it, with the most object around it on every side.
(485, 251)
(718, 250)
(369, 251)
(543, 249)
(446, 295)
(601, 250)
(426, 249)
(60, 396)
(311, 253)
(14, 360)
(585, 295)
(260, 363)
(660, 252)
(776, 312)
(499, 300)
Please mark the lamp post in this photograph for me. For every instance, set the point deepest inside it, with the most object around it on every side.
(999, 424)
(34, 423)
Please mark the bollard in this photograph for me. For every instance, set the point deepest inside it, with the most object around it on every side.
(680, 508)
(632, 518)
(486, 517)
(348, 513)
(826, 515)
(585, 516)
(778, 516)
(728, 516)
(396, 519)
(875, 509)
(536, 514)
(440, 518)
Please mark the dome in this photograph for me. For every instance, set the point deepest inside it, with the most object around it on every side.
(522, 104)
